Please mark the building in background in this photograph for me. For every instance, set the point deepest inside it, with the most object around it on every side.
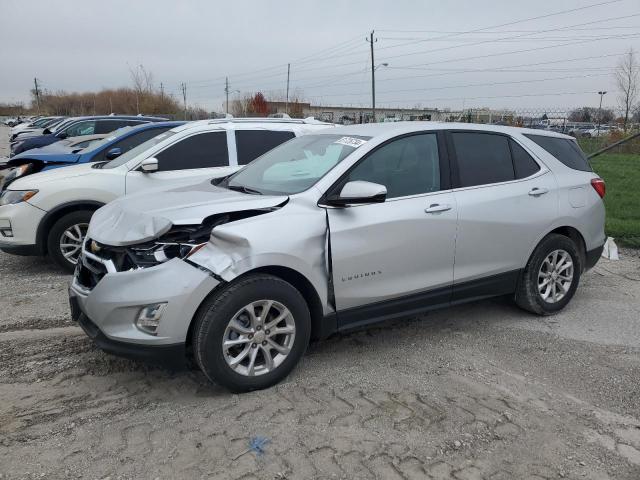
(350, 115)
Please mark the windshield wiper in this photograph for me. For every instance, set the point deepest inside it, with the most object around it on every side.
(243, 189)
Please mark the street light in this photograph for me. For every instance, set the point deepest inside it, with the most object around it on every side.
(601, 93)
(373, 88)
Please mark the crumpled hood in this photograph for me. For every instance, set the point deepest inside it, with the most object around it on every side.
(144, 216)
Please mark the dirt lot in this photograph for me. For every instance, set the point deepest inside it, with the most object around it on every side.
(481, 391)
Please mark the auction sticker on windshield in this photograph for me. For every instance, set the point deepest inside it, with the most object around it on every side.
(351, 141)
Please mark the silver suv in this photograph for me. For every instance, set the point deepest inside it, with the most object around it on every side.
(332, 231)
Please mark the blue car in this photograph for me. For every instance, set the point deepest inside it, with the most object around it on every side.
(54, 156)
(80, 126)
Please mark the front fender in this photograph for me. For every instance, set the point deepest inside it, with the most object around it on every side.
(294, 238)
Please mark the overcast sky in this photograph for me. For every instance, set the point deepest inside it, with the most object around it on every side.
(502, 62)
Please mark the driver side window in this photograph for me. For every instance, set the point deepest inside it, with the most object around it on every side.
(407, 166)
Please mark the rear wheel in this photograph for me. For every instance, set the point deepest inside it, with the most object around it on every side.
(251, 334)
(551, 277)
(64, 243)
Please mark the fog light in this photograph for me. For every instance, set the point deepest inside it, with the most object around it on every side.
(6, 232)
(149, 317)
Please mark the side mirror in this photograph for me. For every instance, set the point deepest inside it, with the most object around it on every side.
(46, 131)
(63, 135)
(149, 165)
(359, 192)
(113, 153)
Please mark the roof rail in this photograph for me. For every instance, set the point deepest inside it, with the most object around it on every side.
(230, 119)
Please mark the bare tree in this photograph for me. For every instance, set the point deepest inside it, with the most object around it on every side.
(142, 79)
(239, 106)
(627, 82)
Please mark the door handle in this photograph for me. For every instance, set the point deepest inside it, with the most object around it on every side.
(436, 207)
(536, 192)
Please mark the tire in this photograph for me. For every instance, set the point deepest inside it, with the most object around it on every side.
(81, 220)
(528, 294)
(212, 327)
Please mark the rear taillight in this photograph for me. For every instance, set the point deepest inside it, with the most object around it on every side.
(599, 186)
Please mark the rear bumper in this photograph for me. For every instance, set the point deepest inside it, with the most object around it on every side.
(592, 257)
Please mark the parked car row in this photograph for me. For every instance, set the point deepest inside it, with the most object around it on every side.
(234, 242)
(54, 221)
(73, 127)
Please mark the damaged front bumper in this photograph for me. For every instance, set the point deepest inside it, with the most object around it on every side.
(109, 303)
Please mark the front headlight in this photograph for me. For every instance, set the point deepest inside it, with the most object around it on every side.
(19, 171)
(161, 252)
(22, 170)
(10, 197)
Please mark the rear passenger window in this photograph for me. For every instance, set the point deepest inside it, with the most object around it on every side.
(524, 165)
(565, 150)
(253, 143)
(482, 158)
(204, 150)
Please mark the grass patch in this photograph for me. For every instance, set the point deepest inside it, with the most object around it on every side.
(621, 172)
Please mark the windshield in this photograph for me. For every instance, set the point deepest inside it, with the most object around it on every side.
(112, 136)
(134, 152)
(295, 165)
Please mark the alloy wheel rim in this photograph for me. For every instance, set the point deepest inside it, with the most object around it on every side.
(71, 242)
(555, 276)
(258, 338)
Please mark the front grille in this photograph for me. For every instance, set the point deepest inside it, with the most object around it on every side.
(92, 268)
(90, 272)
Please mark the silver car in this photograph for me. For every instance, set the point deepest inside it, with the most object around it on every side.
(332, 231)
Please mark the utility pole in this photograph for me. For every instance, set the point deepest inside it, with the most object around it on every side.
(373, 76)
(226, 91)
(35, 82)
(184, 97)
(161, 91)
(110, 105)
(286, 109)
(601, 93)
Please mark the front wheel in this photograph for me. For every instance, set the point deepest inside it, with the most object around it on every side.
(252, 333)
(551, 277)
(64, 243)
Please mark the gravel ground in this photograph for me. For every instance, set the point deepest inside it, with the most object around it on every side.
(480, 391)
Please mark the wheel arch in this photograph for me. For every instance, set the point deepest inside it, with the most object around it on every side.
(299, 281)
(567, 231)
(58, 212)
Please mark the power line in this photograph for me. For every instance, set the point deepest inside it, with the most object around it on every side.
(487, 84)
(308, 58)
(477, 43)
(301, 60)
(476, 57)
(546, 47)
(444, 72)
(460, 32)
(506, 38)
(539, 17)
